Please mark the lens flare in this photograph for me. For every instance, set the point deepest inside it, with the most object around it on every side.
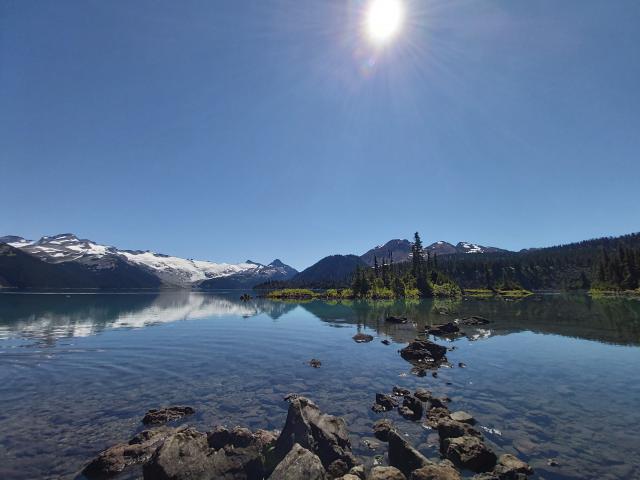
(384, 19)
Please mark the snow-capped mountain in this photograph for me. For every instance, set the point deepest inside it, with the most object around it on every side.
(445, 248)
(172, 271)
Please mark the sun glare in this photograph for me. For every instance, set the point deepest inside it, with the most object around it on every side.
(384, 19)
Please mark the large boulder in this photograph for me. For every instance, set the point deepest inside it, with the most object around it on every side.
(301, 464)
(469, 452)
(186, 455)
(386, 473)
(403, 456)
(442, 471)
(322, 434)
(139, 449)
(159, 416)
(424, 353)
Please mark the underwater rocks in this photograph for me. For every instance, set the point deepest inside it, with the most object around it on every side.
(164, 415)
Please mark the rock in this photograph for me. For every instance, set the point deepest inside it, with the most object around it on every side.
(442, 471)
(186, 455)
(324, 435)
(299, 463)
(446, 329)
(435, 402)
(415, 405)
(337, 469)
(386, 401)
(449, 428)
(510, 467)
(349, 476)
(472, 320)
(239, 437)
(382, 428)
(392, 319)
(422, 394)
(469, 452)
(407, 413)
(552, 462)
(424, 353)
(464, 417)
(376, 407)
(315, 363)
(139, 449)
(462, 365)
(362, 338)
(434, 415)
(358, 471)
(403, 456)
(386, 342)
(400, 392)
(385, 473)
(164, 415)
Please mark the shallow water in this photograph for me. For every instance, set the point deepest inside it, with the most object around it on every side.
(551, 377)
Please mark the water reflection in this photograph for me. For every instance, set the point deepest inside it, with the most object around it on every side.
(48, 317)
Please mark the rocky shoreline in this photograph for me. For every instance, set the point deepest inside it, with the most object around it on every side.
(315, 445)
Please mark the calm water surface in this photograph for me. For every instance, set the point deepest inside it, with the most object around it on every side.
(551, 377)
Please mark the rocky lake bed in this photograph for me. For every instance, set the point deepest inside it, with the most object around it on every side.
(260, 389)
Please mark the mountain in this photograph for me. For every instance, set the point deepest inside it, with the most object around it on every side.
(19, 269)
(398, 250)
(165, 270)
(334, 269)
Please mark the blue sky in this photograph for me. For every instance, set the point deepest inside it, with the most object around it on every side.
(235, 130)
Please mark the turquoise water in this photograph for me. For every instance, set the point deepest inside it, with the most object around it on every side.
(552, 377)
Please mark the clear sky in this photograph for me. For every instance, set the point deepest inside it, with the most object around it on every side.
(228, 130)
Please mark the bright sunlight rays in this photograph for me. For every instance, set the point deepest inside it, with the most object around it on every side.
(384, 19)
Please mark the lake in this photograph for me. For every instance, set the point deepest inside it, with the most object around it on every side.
(552, 377)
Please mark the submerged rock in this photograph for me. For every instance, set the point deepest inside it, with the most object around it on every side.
(362, 338)
(163, 415)
(414, 407)
(385, 473)
(299, 463)
(422, 394)
(510, 467)
(139, 449)
(449, 428)
(469, 452)
(324, 435)
(464, 417)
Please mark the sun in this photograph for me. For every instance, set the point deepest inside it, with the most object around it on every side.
(384, 19)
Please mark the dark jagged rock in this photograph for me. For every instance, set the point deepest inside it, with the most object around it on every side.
(403, 456)
(386, 473)
(434, 415)
(424, 353)
(240, 437)
(422, 394)
(299, 463)
(315, 363)
(469, 452)
(139, 449)
(382, 428)
(392, 319)
(443, 330)
(407, 413)
(322, 434)
(387, 402)
(362, 338)
(338, 468)
(449, 428)
(441, 471)
(437, 402)
(414, 406)
(400, 392)
(164, 415)
(386, 342)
